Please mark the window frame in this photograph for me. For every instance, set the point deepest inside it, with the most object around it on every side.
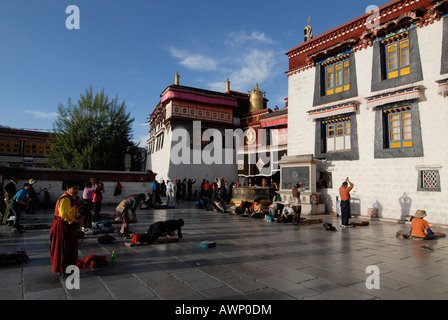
(403, 115)
(14, 147)
(36, 149)
(379, 73)
(381, 141)
(320, 146)
(333, 131)
(330, 72)
(401, 68)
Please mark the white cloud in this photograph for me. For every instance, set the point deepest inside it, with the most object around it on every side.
(236, 39)
(42, 115)
(256, 66)
(194, 61)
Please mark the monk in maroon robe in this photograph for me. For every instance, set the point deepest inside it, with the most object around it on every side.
(64, 232)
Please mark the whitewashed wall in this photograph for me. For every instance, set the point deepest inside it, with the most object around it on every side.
(382, 181)
(160, 163)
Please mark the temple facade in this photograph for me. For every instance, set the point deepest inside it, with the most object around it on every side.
(201, 134)
(369, 101)
(23, 148)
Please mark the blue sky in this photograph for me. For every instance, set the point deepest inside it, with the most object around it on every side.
(133, 49)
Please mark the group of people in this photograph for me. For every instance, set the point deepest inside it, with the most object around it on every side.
(173, 189)
(215, 196)
(278, 212)
(15, 201)
(91, 201)
(71, 212)
(69, 217)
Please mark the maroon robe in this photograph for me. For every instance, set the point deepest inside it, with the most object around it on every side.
(63, 241)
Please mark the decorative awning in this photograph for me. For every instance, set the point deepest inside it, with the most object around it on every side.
(443, 87)
(396, 96)
(274, 122)
(199, 98)
(332, 111)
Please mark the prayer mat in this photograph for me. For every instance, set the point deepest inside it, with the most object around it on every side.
(310, 221)
(136, 243)
(360, 224)
(405, 235)
(37, 227)
(99, 231)
(402, 234)
(13, 257)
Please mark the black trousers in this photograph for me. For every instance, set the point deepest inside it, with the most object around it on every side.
(154, 232)
(345, 212)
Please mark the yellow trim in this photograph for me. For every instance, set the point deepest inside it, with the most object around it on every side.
(405, 71)
(393, 74)
(395, 37)
(345, 56)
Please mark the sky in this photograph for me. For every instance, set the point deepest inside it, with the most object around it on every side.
(133, 48)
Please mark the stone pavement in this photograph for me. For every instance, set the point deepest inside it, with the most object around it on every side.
(253, 260)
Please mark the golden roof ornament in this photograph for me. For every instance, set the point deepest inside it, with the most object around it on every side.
(227, 85)
(308, 30)
(256, 99)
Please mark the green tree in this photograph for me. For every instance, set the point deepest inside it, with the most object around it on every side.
(95, 134)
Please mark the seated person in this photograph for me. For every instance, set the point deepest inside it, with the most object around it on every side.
(420, 227)
(257, 209)
(245, 205)
(275, 209)
(200, 203)
(288, 213)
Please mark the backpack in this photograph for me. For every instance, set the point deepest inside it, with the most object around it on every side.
(329, 227)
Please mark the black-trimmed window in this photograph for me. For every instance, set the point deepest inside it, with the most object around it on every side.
(338, 135)
(336, 138)
(335, 78)
(399, 127)
(396, 60)
(398, 131)
(397, 55)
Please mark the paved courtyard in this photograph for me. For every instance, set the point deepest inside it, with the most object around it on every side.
(253, 260)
